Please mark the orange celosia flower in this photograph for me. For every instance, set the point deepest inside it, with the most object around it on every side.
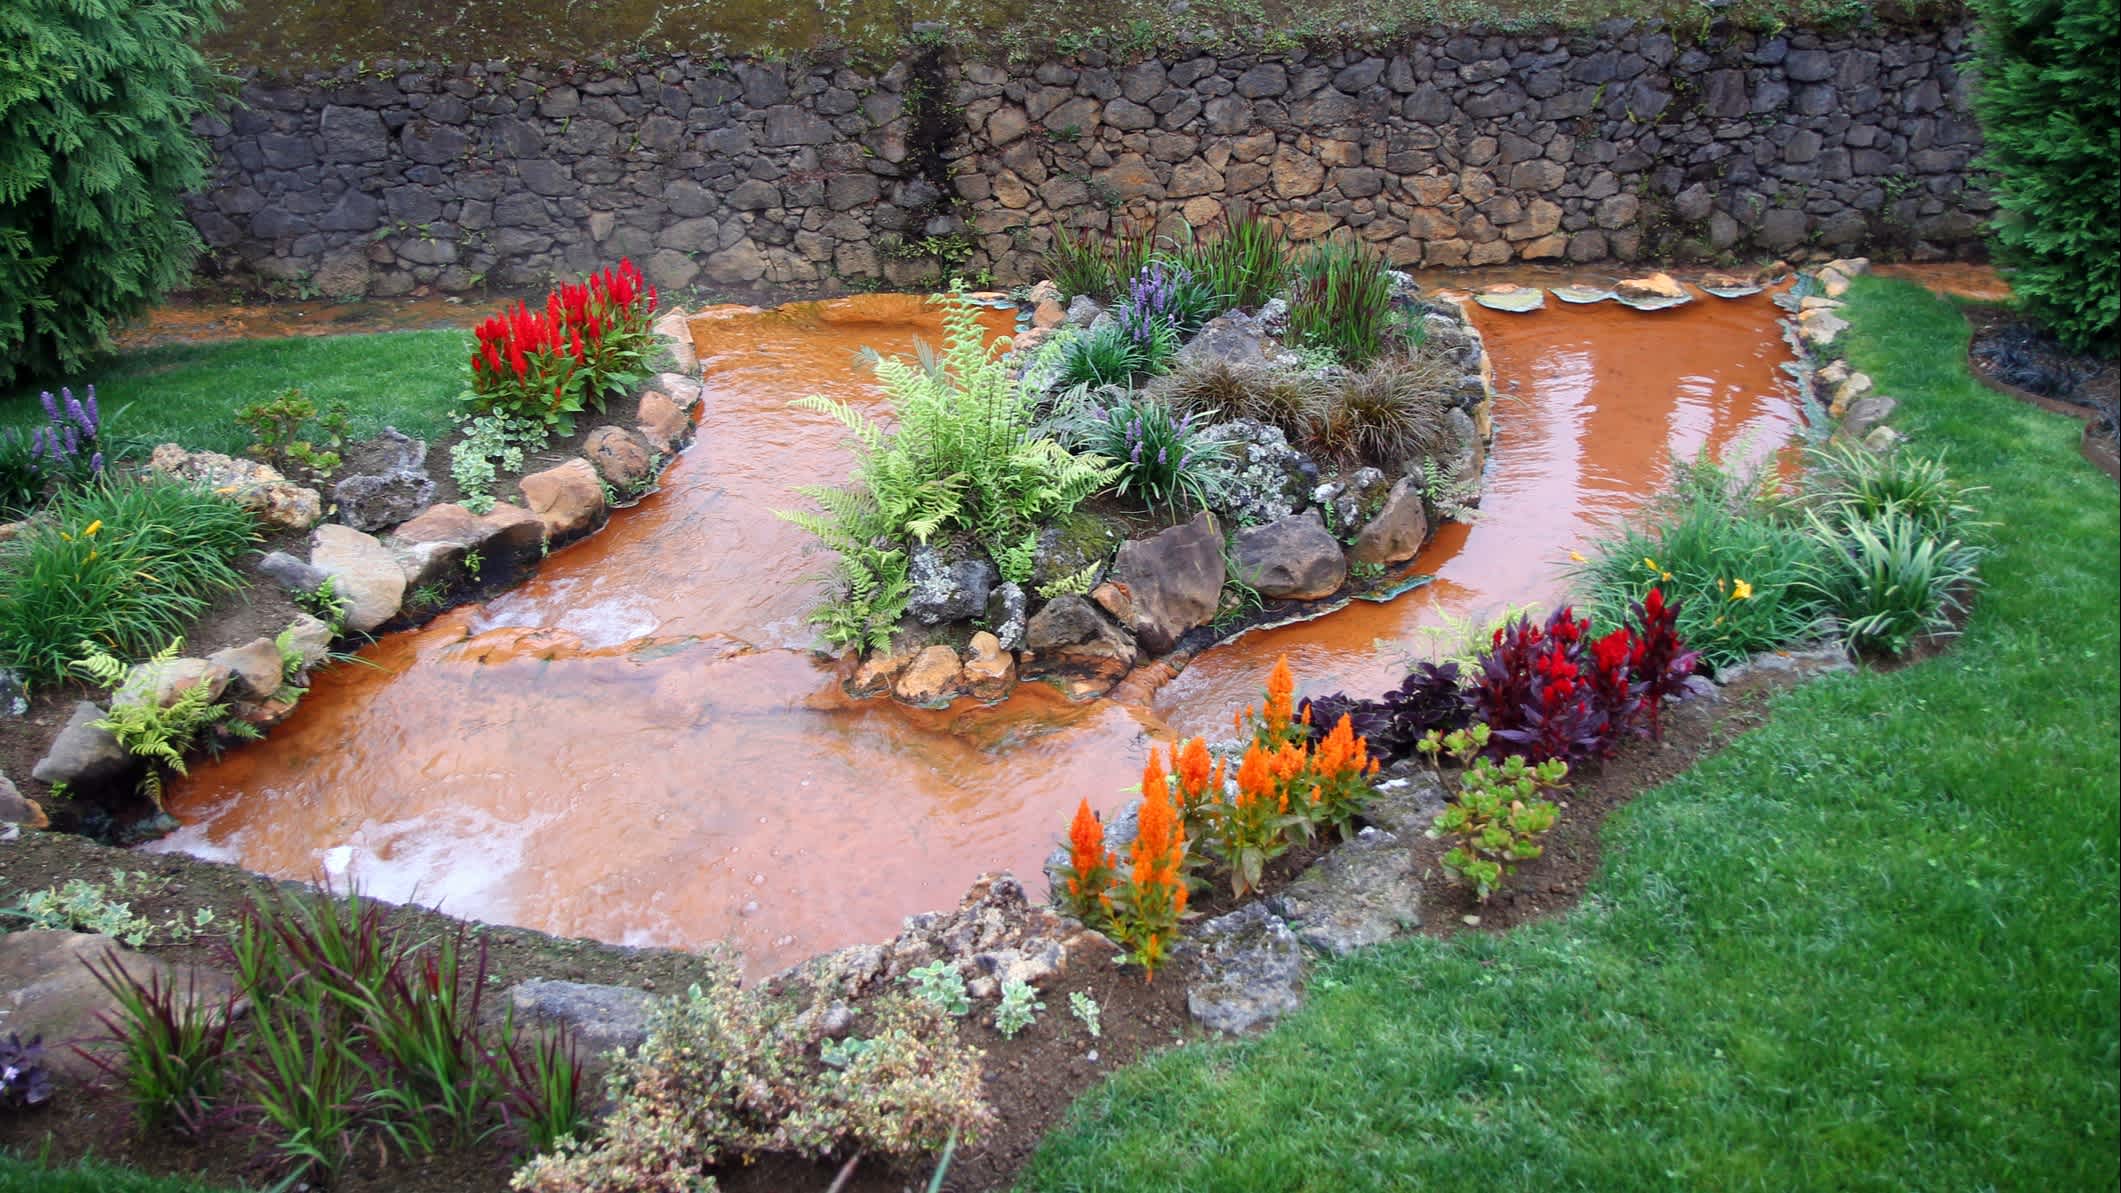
(1255, 776)
(1191, 764)
(1155, 785)
(1159, 841)
(1281, 696)
(1343, 753)
(1086, 847)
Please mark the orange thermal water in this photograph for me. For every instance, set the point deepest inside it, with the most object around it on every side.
(638, 745)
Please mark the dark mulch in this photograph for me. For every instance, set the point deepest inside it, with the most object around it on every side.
(1030, 1080)
(2020, 358)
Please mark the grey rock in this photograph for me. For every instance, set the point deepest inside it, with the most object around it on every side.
(1251, 971)
(1409, 796)
(1782, 668)
(48, 990)
(1292, 558)
(1257, 477)
(1005, 614)
(1232, 337)
(947, 589)
(1865, 413)
(1072, 640)
(83, 756)
(1083, 310)
(377, 501)
(1365, 892)
(1396, 534)
(600, 1018)
(368, 578)
(1174, 578)
(14, 809)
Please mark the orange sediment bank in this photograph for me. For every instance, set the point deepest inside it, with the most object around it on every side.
(638, 745)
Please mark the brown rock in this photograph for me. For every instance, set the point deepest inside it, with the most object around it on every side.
(676, 330)
(661, 421)
(1070, 641)
(516, 531)
(254, 669)
(1048, 315)
(879, 671)
(990, 671)
(365, 574)
(256, 487)
(310, 638)
(16, 808)
(428, 563)
(619, 457)
(1294, 558)
(932, 680)
(163, 682)
(1117, 600)
(1396, 534)
(47, 989)
(568, 499)
(1297, 174)
(1175, 579)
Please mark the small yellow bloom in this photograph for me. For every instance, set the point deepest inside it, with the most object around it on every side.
(1741, 590)
(1667, 577)
(1577, 557)
(93, 527)
(1649, 563)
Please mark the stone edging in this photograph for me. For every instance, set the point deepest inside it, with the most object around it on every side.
(1838, 401)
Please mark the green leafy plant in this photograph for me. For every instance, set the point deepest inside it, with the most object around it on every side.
(1018, 1008)
(324, 603)
(1163, 459)
(1090, 263)
(294, 434)
(1889, 580)
(1499, 814)
(21, 483)
(492, 444)
(1084, 1007)
(96, 104)
(1111, 355)
(83, 906)
(167, 1045)
(1847, 482)
(156, 732)
(1245, 259)
(124, 564)
(1340, 300)
(939, 984)
(542, 1088)
(1075, 583)
(962, 457)
(2051, 127)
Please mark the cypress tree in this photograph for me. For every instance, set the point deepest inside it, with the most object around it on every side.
(96, 150)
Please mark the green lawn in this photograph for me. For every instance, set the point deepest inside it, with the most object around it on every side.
(1871, 946)
(408, 379)
(89, 1176)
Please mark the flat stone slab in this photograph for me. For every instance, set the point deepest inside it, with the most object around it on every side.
(600, 1018)
(1363, 893)
(1516, 300)
(1251, 971)
(1581, 295)
(47, 990)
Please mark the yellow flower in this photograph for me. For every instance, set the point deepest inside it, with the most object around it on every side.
(1577, 557)
(93, 527)
(1666, 576)
(1649, 563)
(1741, 590)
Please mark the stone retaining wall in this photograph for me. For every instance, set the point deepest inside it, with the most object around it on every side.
(1622, 144)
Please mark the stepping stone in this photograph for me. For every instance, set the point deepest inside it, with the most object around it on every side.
(1514, 299)
(1583, 294)
(1251, 971)
(1724, 285)
(1363, 893)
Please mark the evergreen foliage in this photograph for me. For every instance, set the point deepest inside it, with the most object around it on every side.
(96, 148)
(2051, 119)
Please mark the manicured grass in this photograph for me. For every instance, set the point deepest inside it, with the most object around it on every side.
(88, 1176)
(188, 394)
(1869, 946)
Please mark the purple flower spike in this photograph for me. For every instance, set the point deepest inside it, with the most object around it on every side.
(94, 415)
(1163, 457)
(51, 406)
(1136, 457)
(95, 463)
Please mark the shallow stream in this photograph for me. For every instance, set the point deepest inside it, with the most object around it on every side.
(639, 746)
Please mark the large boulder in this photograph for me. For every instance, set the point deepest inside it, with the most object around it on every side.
(1071, 641)
(1365, 892)
(662, 420)
(1251, 971)
(504, 530)
(259, 488)
(83, 756)
(1396, 534)
(568, 499)
(1294, 558)
(386, 481)
(620, 457)
(1174, 580)
(254, 669)
(366, 576)
(1232, 337)
(47, 989)
(947, 586)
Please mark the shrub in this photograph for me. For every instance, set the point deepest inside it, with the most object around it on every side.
(1281, 398)
(1341, 301)
(2051, 128)
(726, 1075)
(1889, 580)
(1845, 482)
(1391, 413)
(1430, 697)
(171, 1045)
(1246, 260)
(122, 564)
(294, 434)
(962, 457)
(1101, 267)
(1161, 456)
(1736, 574)
(591, 340)
(1498, 816)
(96, 153)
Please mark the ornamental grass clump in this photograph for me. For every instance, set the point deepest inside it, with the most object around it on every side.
(167, 1045)
(1341, 301)
(1092, 264)
(1210, 387)
(1889, 581)
(1393, 412)
(1245, 260)
(123, 564)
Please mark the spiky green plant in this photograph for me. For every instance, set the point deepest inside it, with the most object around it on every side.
(1094, 264)
(1246, 260)
(96, 154)
(961, 457)
(1341, 301)
(1889, 580)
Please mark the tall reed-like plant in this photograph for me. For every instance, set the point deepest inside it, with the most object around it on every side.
(1341, 301)
(1245, 259)
(167, 1045)
(1094, 264)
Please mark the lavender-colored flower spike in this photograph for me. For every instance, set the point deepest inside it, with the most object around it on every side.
(95, 463)
(1163, 456)
(51, 406)
(94, 415)
(76, 413)
(1136, 456)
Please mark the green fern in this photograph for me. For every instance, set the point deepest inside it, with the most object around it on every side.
(1072, 584)
(145, 727)
(962, 457)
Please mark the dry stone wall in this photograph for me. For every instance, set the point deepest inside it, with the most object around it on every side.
(1619, 144)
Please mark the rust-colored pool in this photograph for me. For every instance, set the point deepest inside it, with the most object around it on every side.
(640, 746)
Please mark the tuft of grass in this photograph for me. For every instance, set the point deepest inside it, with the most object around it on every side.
(1102, 267)
(1391, 413)
(20, 1174)
(1869, 946)
(1341, 301)
(1216, 388)
(190, 394)
(125, 565)
(1244, 259)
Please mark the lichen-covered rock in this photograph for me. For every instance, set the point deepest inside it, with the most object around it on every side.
(1353, 499)
(1293, 558)
(600, 1018)
(1005, 614)
(946, 586)
(259, 488)
(1365, 892)
(1175, 579)
(1396, 534)
(1257, 477)
(387, 482)
(1071, 641)
(366, 576)
(1232, 337)
(1251, 971)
